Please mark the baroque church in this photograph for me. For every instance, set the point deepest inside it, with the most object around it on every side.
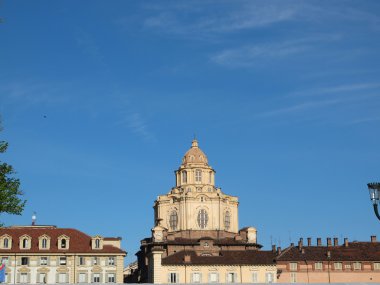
(196, 237)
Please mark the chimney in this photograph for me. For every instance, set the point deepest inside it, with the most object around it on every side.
(373, 238)
(328, 241)
(292, 244)
(279, 250)
(308, 241)
(34, 218)
(319, 242)
(273, 248)
(300, 244)
(336, 243)
(187, 258)
(346, 242)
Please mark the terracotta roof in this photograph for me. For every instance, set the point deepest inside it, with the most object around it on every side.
(355, 251)
(250, 257)
(79, 241)
(194, 155)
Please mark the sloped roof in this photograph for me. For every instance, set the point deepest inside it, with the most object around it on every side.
(79, 241)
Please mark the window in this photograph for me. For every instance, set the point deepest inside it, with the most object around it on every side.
(111, 278)
(202, 219)
(25, 243)
(231, 277)
(202, 199)
(43, 261)
(173, 277)
(62, 260)
(184, 176)
(293, 277)
(95, 261)
(24, 260)
(227, 220)
(62, 278)
(63, 243)
(254, 277)
(82, 278)
(6, 243)
(376, 265)
(111, 260)
(4, 260)
(213, 277)
(357, 266)
(318, 266)
(293, 266)
(338, 265)
(210, 177)
(97, 243)
(173, 220)
(82, 260)
(44, 243)
(42, 278)
(24, 278)
(269, 277)
(198, 175)
(196, 277)
(96, 278)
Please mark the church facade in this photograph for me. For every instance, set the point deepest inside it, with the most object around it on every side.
(196, 237)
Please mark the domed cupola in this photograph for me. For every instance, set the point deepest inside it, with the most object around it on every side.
(194, 155)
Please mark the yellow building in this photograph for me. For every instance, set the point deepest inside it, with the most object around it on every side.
(47, 254)
(196, 238)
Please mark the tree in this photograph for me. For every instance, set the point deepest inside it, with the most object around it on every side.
(11, 201)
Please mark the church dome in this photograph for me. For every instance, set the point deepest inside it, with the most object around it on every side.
(195, 155)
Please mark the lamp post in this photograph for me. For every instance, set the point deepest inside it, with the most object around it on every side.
(374, 193)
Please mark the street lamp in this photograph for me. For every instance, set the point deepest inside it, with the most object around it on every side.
(374, 193)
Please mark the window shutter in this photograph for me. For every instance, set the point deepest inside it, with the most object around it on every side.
(227, 281)
(92, 278)
(168, 278)
(18, 277)
(209, 277)
(217, 277)
(56, 278)
(191, 278)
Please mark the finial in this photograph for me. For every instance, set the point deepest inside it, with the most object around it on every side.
(194, 143)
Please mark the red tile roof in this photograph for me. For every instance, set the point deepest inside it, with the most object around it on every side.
(79, 241)
(249, 257)
(355, 251)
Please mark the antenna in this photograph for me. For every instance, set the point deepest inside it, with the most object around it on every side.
(34, 218)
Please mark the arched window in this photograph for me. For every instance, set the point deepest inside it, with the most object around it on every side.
(44, 243)
(97, 243)
(173, 220)
(227, 220)
(184, 176)
(202, 219)
(63, 243)
(25, 243)
(198, 175)
(6, 243)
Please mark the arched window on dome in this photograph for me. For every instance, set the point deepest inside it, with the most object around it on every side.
(198, 175)
(173, 220)
(184, 176)
(227, 220)
(202, 219)
(209, 177)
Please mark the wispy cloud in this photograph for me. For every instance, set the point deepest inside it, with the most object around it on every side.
(250, 55)
(337, 89)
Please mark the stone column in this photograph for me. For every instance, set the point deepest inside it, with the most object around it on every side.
(154, 273)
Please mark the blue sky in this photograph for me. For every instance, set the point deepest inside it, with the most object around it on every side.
(100, 100)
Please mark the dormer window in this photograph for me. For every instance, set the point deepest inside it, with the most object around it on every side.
(198, 175)
(44, 242)
(6, 243)
(25, 242)
(97, 243)
(63, 242)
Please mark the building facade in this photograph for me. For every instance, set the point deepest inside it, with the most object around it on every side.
(47, 254)
(196, 237)
(350, 262)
